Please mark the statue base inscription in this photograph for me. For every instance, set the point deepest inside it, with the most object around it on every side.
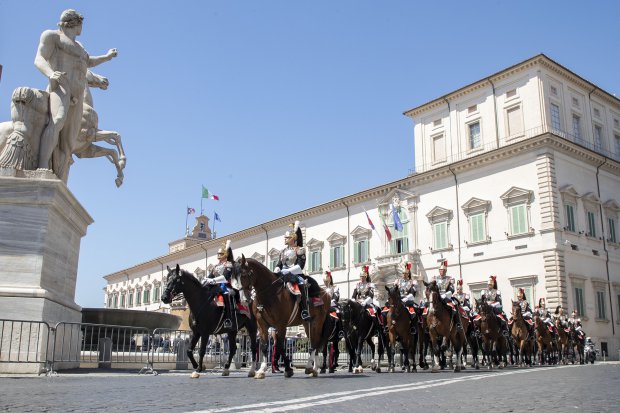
(41, 226)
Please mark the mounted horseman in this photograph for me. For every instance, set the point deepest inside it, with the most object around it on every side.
(526, 312)
(219, 281)
(408, 291)
(494, 298)
(446, 287)
(290, 266)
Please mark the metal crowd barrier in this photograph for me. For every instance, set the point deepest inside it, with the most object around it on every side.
(47, 349)
(24, 346)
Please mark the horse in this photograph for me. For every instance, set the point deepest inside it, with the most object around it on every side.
(440, 322)
(333, 332)
(544, 340)
(276, 307)
(521, 335)
(562, 342)
(208, 318)
(400, 329)
(359, 327)
(84, 146)
(494, 345)
(576, 340)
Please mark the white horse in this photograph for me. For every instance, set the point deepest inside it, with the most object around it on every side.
(90, 132)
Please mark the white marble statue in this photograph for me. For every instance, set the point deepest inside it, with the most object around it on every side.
(63, 60)
(48, 127)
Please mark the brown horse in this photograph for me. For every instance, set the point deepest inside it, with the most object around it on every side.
(276, 307)
(440, 324)
(494, 345)
(576, 342)
(544, 340)
(521, 335)
(399, 329)
(562, 343)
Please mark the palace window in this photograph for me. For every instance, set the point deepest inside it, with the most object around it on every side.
(439, 218)
(336, 251)
(115, 301)
(601, 309)
(475, 138)
(274, 257)
(439, 148)
(477, 211)
(514, 119)
(591, 217)
(517, 202)
(598, 137)
(156, 294)
(570, 217)
(555, 117)
(580, 304)
(577, 126)
(315, 249)
(145, 296)
(361, 245)
(400, 239)
(123, 300)
(612, 208)
(611, 224)
(130, 300)
(138, 298)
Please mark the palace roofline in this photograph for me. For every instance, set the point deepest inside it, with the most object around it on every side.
(541, 59)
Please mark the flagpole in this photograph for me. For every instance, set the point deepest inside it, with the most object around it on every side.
(186, 217)
(201, 209)
(214, 222)
(379, 235)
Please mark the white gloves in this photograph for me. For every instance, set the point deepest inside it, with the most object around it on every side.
(210, 281)
(286, 271)
(277, 270)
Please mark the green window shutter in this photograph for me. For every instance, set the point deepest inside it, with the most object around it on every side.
(356, 254)
(331, 258)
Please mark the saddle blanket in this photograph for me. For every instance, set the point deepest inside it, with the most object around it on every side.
(567, 330)
(293, 288)
(425, 311)
(371, 311)
(316, 301)
(219, 300)
(463, 312)
(411, 309)
(477, 317)
(243, 309)
(501, 316)
(334, 314)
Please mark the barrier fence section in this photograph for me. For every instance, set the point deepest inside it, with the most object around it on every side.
(24, 345)
(81, 344)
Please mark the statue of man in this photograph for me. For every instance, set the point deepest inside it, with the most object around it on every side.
(63, 60)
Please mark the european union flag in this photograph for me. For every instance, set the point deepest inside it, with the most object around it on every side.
(216, 216)
(398, 226)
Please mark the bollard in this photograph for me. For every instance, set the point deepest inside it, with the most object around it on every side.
(181, 351)
(105, 353)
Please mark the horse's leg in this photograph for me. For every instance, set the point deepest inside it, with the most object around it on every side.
(436, 355)
(232, 350)
(325, 356)
(190, 352)
(114, 139)
(382, 344)
(94, 151)
(263, 357)
(334, 354)
(457, 345)
(251, 327)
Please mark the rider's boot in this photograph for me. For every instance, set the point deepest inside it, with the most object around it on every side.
(305, 313)
(412, 327)
(457, 319)
(227, 313)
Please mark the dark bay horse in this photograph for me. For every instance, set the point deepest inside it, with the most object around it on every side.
(494, 344)
(521, 335)
(333, 331)
(440, 324)
(400, 330)
(544, 341)
(577, 341)
(208, 318)
(276, 307)
(563, 338)
(360, 327)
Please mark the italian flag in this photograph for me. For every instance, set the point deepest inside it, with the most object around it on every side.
(209, 195)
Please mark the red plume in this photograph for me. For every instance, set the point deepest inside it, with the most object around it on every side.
(460, 282)
(409, 266)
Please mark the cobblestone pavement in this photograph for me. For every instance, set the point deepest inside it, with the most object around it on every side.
(590, 388)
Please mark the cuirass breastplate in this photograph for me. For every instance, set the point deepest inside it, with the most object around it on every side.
(443, 283)
(404, 286)
(219, 269)
(289, 257)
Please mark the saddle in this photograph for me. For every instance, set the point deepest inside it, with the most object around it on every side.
(243, 309)
(219, 300)
(333, 313)
(316, 301)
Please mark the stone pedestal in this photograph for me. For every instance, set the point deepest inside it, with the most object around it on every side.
(41, 226)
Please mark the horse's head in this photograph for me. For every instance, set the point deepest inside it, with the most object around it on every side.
(434, 293)
(173, 284)
(516, 310)
(95, 80)
(393, 294)
(244, 273)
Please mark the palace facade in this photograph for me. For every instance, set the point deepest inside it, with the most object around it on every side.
(516, 175)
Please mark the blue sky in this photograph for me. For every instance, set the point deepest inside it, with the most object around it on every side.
(275, 106)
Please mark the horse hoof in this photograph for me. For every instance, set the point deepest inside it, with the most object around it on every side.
(251, 373)
(315, 373)
(118, 182)
(414, 370)
(308, 370)
(226, 373)
(195, 375)
(378, 369)
(435, 370)
(457, 369)
(332, 370)
(259, 375)
(477, 367)
(288, 373)
(323, 371)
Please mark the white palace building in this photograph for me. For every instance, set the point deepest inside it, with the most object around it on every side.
(516, 175)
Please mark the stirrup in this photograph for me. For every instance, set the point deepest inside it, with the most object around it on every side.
(227, 323)
(305, 315)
